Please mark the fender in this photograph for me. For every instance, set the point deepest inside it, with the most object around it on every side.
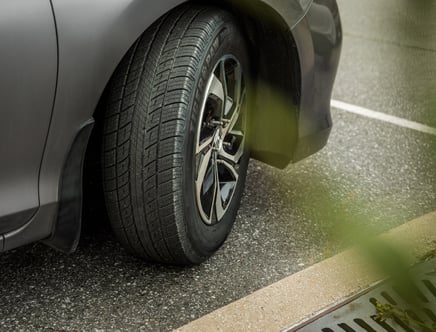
(93, 36)
(292, 11)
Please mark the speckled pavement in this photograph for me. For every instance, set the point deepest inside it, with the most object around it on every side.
(322, 285)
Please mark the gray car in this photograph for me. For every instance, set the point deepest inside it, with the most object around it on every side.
(168, 99)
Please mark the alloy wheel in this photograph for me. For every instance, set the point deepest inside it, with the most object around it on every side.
(220, 141)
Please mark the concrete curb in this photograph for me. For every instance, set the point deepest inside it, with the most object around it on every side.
(305, 293)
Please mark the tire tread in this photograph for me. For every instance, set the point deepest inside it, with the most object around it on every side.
(157, 75)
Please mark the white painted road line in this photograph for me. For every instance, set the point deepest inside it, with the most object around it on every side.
(383, 117)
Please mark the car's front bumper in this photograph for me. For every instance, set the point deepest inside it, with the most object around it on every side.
(319, 39)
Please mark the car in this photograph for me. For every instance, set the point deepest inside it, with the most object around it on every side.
(169, 99)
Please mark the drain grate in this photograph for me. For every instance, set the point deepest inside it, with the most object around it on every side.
(384, 308)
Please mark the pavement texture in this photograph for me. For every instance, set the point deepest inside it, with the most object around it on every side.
(296, 298)
(388, 60)
(380, 174)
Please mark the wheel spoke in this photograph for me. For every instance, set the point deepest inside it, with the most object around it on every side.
(238, 84)
(228, 106)
(231, 168)
(236, 133)
(216, 88)
(242, 94)
(235, 117)
(223, 75)
(232, 122)
(215, 193)
(206, 143)
(233, 158)
(226, 187)
(219, 209)
(206, 185)
(202, 170)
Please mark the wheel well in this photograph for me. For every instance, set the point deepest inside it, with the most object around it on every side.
(275, 58)
(273, 49)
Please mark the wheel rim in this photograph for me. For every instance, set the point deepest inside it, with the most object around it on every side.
(220, 140)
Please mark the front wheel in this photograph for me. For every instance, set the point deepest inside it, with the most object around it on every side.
(174, 149)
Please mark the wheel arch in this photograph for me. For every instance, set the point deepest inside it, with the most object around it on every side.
(276, 69)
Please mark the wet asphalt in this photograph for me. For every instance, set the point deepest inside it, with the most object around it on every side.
(371, 174)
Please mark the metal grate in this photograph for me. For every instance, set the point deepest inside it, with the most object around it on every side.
(384, 308)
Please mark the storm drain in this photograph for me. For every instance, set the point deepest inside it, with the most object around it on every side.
(385, 307)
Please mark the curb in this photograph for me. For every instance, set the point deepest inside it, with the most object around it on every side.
(303, 294)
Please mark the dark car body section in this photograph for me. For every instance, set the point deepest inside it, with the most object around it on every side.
(301, 41)
(319, 61)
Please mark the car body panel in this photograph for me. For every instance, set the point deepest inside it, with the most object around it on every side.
(93, 37)
(290, 11)
(28, 66)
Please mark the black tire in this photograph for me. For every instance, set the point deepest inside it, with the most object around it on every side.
(150, 129)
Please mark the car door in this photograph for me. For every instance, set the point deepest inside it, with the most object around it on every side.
(28, 70)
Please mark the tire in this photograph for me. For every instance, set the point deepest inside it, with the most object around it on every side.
(168, 146)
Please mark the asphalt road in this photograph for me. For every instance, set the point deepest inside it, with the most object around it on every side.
(371, 174)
